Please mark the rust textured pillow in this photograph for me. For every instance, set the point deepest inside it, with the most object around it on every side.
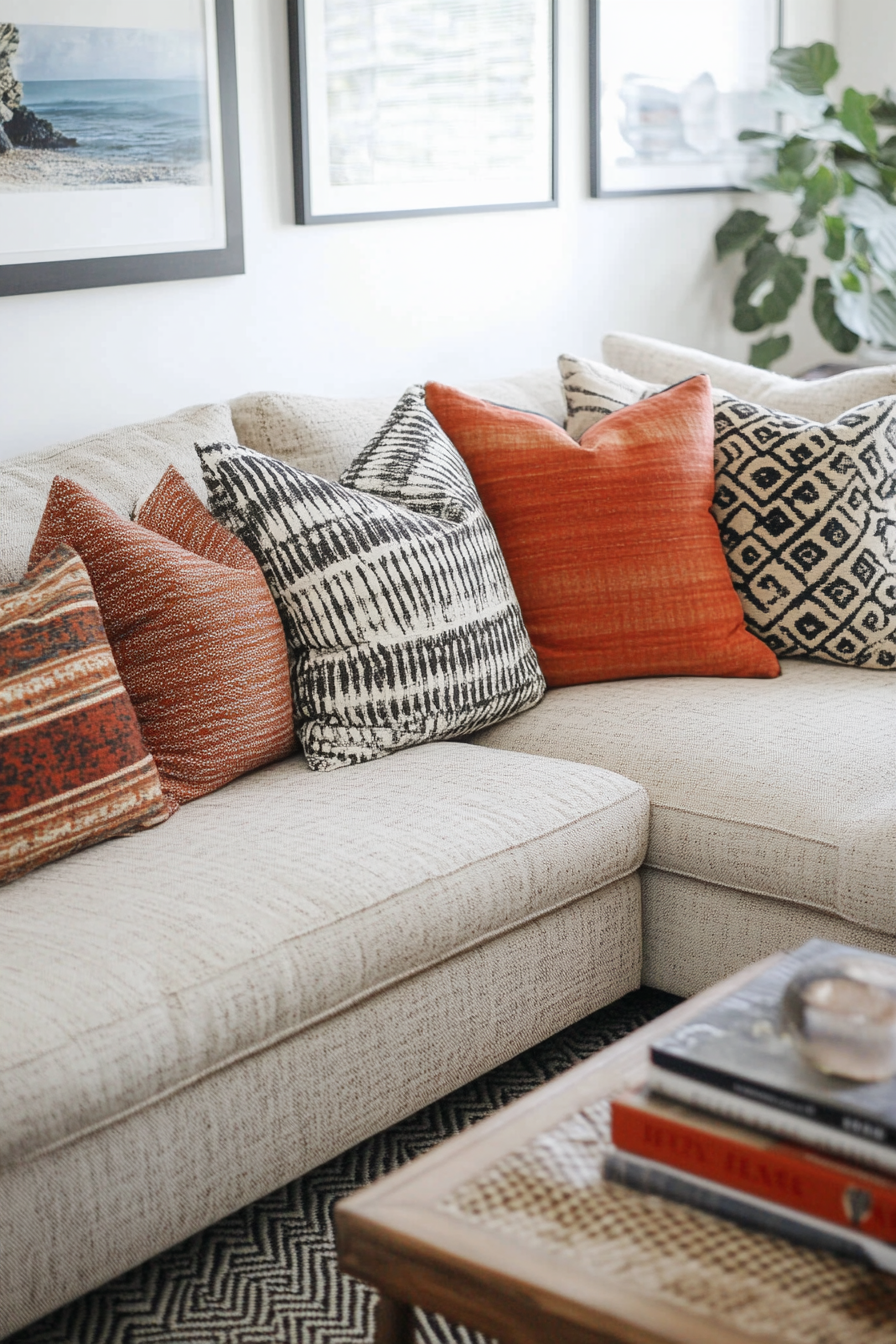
(611, 546)
(193, 627)
(74, 768)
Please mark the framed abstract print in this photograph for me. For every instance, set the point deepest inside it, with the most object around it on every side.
(673, 82)
(403, 107)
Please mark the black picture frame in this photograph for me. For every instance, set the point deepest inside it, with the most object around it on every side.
(94, 272)
(301, 136)
(597, 187)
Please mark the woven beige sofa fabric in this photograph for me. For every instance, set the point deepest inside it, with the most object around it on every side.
(274, 904)
(662, 362)
(782, 788)
(244, 1130)
(697, 932)
(325, 434)
(120, 466)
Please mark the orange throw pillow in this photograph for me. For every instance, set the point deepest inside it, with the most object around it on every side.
(611, 546)
(193, 628)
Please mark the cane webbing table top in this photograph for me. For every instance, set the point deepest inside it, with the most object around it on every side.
(511, 1229)
(550, 1194)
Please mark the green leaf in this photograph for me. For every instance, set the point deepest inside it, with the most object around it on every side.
(820, 188)
(764, 353)
(796, 154)
(787, 286)
(887, 151)
(740, 230)
(869, 211)
(787, 180)
(758, 135)
(870, 315)
(827, 321)
(806, 69)
(849, 280)
(856, 117)
(804, 224)
(883, 110)
(746, 318)
(835, 230)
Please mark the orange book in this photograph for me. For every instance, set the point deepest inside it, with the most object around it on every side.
(755, 1164)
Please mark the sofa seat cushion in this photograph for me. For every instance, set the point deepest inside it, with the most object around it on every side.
(784, 788)
(142, 965)
(121, 466)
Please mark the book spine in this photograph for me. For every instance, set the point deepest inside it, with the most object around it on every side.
(807, 1108)
(757, 1215)
(744, 1111)
(773, 1172)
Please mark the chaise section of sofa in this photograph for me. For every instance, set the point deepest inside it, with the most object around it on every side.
(194, 1015)
(773, 806)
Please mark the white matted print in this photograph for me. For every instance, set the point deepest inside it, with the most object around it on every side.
(673, 83)
(410, 107)
(113, 143)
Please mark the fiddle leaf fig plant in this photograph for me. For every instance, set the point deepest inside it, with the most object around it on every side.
(837, 163)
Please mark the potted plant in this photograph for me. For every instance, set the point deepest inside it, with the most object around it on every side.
(837, 163)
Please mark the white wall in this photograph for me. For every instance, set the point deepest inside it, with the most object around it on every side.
(866, 44)
(367, 308)
(364, 308)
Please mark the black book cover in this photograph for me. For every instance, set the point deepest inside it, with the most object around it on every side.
(738, 1047)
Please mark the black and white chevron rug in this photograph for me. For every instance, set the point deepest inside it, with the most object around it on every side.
(269, 1273)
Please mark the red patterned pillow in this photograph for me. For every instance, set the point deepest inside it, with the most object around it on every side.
(193, 627)
(74, 768)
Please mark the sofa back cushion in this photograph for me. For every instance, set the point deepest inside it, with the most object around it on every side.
(120, 466)
(821, 400)
(74, 768)
(324, 435)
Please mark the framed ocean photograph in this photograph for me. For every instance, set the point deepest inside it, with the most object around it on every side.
(673, 82)
(403, 107)
(119, 149)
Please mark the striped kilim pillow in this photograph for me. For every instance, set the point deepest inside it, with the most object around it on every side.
(400, 617)
(73, 766)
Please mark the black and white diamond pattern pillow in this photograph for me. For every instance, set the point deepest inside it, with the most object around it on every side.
(807, 515)
(400, 616)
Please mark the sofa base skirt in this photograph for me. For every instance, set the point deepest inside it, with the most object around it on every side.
(75, 1217)
(696, 933)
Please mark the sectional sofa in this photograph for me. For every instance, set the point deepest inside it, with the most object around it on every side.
(194, 1015)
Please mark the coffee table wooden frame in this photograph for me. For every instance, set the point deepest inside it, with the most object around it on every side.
(393, 1235)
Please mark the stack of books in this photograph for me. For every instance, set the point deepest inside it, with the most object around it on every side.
(733, 1121)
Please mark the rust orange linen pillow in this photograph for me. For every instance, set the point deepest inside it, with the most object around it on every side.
(73, 766)
(193, 628)
(611, 546)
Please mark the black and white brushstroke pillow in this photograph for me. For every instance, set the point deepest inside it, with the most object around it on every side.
(807, 515)
(400, 617)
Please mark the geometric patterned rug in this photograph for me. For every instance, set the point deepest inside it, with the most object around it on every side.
(268, 1274)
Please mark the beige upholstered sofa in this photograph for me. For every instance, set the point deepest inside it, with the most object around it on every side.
(194, 1015)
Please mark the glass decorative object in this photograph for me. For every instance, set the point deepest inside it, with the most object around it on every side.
(840, 1011)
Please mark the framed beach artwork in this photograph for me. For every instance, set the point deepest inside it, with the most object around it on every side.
(673, 82)
(407, 107)
(119, 157)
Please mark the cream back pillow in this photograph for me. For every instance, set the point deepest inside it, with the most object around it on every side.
(662, 362)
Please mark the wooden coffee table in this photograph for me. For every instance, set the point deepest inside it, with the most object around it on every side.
(509, 1229)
